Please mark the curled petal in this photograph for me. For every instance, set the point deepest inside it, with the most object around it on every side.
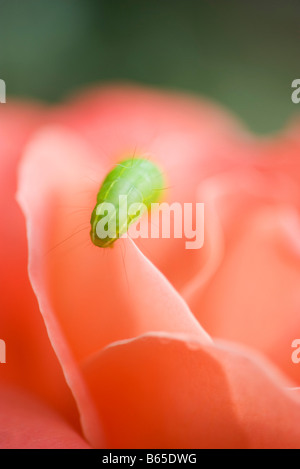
(167, 391)
(31, 363)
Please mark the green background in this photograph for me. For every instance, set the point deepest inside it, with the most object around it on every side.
(243, 54)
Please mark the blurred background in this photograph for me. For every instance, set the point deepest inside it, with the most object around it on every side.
(243, 54)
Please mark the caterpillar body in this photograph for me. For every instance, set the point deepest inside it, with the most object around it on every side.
(140, 181)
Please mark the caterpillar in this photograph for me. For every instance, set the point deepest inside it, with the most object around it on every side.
(136, 181)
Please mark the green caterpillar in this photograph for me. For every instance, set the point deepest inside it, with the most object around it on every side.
(139, 181)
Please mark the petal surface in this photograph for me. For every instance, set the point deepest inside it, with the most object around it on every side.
(251, 294)
(27, 423)
(160, 391)
(31, 362)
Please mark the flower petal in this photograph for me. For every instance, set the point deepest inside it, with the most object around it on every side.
(26, 423)
(31, 363)
(163, 391)
(252, 295)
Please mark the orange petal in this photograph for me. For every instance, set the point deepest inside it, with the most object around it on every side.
(163, 391)
(251, 295)
(31, 362)
(27, 423)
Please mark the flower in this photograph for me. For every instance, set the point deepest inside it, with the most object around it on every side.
(126, 324)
